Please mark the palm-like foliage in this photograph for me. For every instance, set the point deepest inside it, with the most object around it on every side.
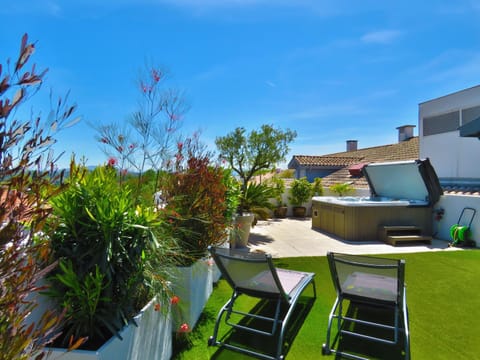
(257, 199)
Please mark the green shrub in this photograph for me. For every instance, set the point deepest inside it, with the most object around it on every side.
(278, 185)
(300, 191)
(257, 200)
(99, 230)
(317, 187)
(342, 189)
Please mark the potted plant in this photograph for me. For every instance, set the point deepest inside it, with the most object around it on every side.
(198, 216)
(111, 264)
(256, 205)
(196, 202)
(317, 187)
(300, 193)
(278, 184)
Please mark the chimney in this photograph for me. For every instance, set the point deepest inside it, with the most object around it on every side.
(352, 145)
(405, 132)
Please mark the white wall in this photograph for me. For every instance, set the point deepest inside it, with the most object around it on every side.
(453, 206)
(454, 157)
(450, 154)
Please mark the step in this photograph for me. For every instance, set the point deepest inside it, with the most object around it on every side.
(388, 228)
(400, 227)
(394, 239)
(398, 230)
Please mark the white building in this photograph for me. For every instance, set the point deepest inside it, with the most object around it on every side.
(454, 153)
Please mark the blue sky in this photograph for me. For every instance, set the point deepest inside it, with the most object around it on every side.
(333, 70)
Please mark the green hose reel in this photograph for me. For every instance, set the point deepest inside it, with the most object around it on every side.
(460, 233)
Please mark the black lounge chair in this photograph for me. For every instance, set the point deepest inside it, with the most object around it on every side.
(376, 286)
(253, 274)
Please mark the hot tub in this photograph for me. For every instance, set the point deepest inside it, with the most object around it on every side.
(402, 194)
(369, 201)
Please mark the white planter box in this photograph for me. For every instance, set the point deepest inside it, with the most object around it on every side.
(216, 274)
(214, 271)
(151, 339)
(193, 285)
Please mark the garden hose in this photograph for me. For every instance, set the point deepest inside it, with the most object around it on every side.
(462, 232)
(459, 233)
(453, 230)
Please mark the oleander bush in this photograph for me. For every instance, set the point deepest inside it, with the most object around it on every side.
(103, 242)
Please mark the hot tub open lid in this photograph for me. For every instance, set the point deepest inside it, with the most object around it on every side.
(411, 180)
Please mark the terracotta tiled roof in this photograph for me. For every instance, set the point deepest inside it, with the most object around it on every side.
(343, 176)
(461, 190)
(326, 160)
(405, 150)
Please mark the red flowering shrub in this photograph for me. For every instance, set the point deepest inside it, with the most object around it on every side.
(196, 202)
(28, 180)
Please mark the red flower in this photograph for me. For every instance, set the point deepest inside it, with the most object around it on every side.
(174, 117)
(184, 328)
(104, 140)
(112, 161)
(175, 299)
(156, 307)
(155, 75)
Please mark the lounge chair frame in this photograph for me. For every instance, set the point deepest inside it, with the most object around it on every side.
(373, 282)
(264, 284)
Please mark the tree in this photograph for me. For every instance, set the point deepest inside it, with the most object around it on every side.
(250, 154)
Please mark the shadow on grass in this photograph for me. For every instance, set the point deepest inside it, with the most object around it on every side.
(368, 348)
(263, 344)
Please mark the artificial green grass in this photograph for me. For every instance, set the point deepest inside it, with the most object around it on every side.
(443, 296)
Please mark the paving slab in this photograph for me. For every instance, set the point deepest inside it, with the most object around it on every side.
(292, 237)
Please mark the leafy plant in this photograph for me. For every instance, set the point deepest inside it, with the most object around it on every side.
(342, 189)
(98, 228)
(232, 195)
(196, 203)
(317, 187)
(300, 191)
(256, 200)
(278, 185)
(28, 178)
(84, 301)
